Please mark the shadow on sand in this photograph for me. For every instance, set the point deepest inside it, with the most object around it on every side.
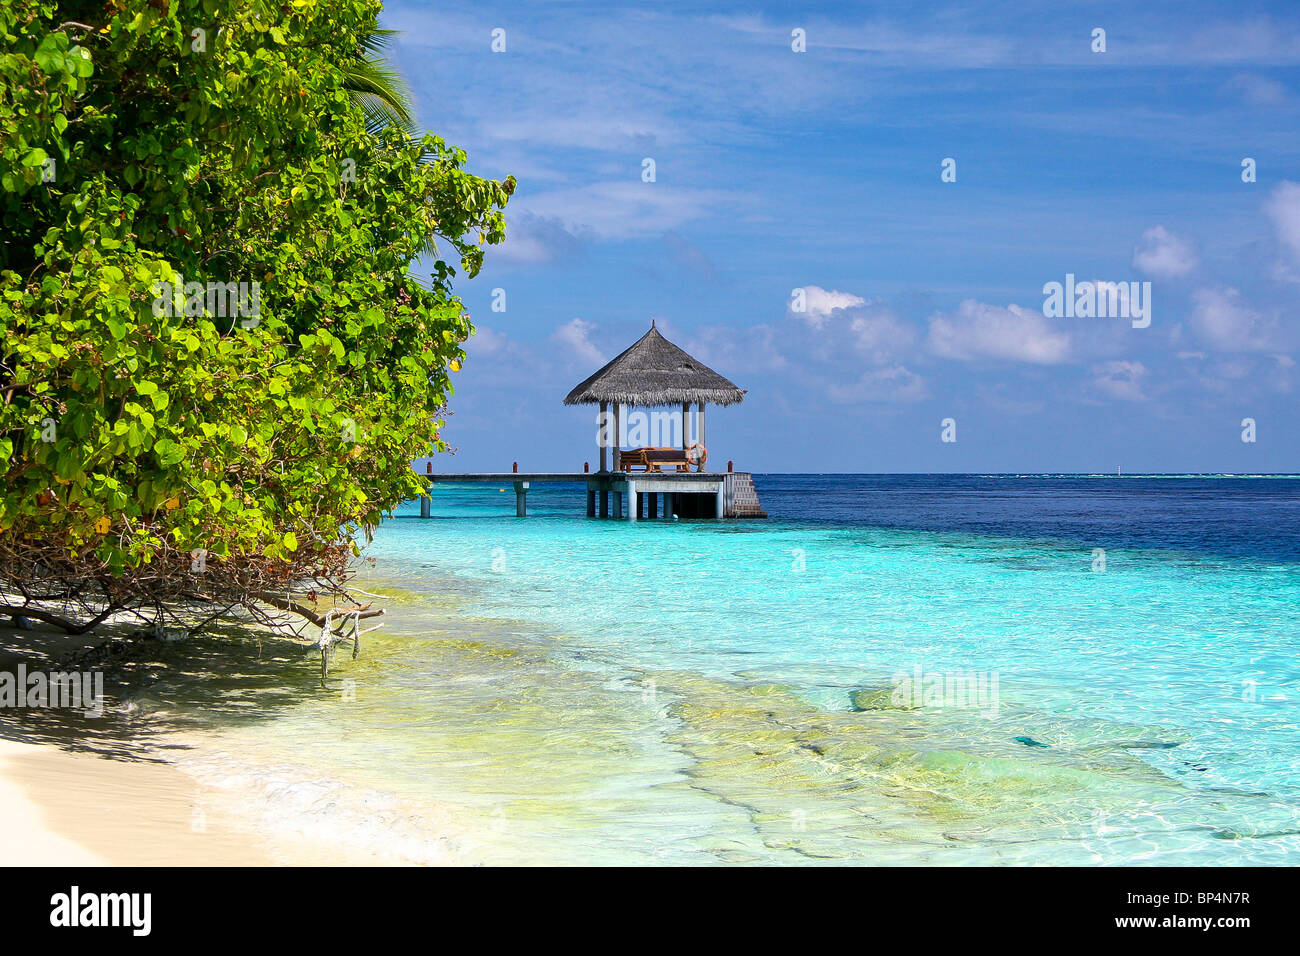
(152, 688)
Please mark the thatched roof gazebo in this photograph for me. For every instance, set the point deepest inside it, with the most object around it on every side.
(653, 372)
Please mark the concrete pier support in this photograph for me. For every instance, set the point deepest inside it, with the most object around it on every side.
(633, 501)
(720, 507)
(521, 498)
(591, 504)
(426, 504)
(604, 502)
(652, 510)
(668, 504)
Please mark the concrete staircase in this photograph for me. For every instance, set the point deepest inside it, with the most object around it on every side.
(742, 498)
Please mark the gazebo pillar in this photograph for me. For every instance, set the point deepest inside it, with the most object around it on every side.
(618, 434)
(699, 430)
(602, 434)
(686, 424)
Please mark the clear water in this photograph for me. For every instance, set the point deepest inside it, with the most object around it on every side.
(564, 689)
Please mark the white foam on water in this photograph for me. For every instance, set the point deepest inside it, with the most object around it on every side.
(294, 805)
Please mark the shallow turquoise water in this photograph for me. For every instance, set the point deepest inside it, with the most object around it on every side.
(684, 691)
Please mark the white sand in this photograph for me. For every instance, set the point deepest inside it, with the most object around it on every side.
(66, 801)
(74, 809)
(28, 839)
(64, 806)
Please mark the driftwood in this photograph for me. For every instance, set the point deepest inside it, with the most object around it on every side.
(331, 636)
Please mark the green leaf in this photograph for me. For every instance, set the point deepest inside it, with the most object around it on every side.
(80, 59)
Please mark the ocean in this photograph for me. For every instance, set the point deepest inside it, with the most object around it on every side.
(919, 669)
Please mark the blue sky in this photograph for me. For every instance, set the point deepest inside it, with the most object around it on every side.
(777, 170)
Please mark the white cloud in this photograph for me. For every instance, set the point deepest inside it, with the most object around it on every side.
(1246, 376)
(892, 384)
(881, 335)
(964, 40)
(978, 330)
(604, 127)
(1120, 379)
(855, 352)
(819, 303)
(1001, 398)
(1163, 254)
(1258, 90)
(532, 240)
(485, 341)
(757, 349)
(623, 209)
(690, 258)
(1283, 207)
(574, 335)
(1228, 324)
(494, 360)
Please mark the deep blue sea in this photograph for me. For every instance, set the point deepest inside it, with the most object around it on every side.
(929, 669)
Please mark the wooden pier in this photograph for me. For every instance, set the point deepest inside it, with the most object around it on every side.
(630, 496)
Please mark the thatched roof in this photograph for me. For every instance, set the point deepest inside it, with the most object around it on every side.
(653, 371)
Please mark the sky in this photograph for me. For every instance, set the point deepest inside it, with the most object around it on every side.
(921, 282)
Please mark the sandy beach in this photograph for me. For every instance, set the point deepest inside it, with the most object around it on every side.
(78, 794)
(30, 838)
(76, 809)
(74, 801)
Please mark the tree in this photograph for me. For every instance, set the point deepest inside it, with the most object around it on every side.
(216, 365)
(377, 88)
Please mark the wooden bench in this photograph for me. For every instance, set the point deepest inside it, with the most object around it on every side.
(655, 459)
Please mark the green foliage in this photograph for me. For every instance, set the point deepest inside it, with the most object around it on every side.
(135, 430)
(377, 88)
